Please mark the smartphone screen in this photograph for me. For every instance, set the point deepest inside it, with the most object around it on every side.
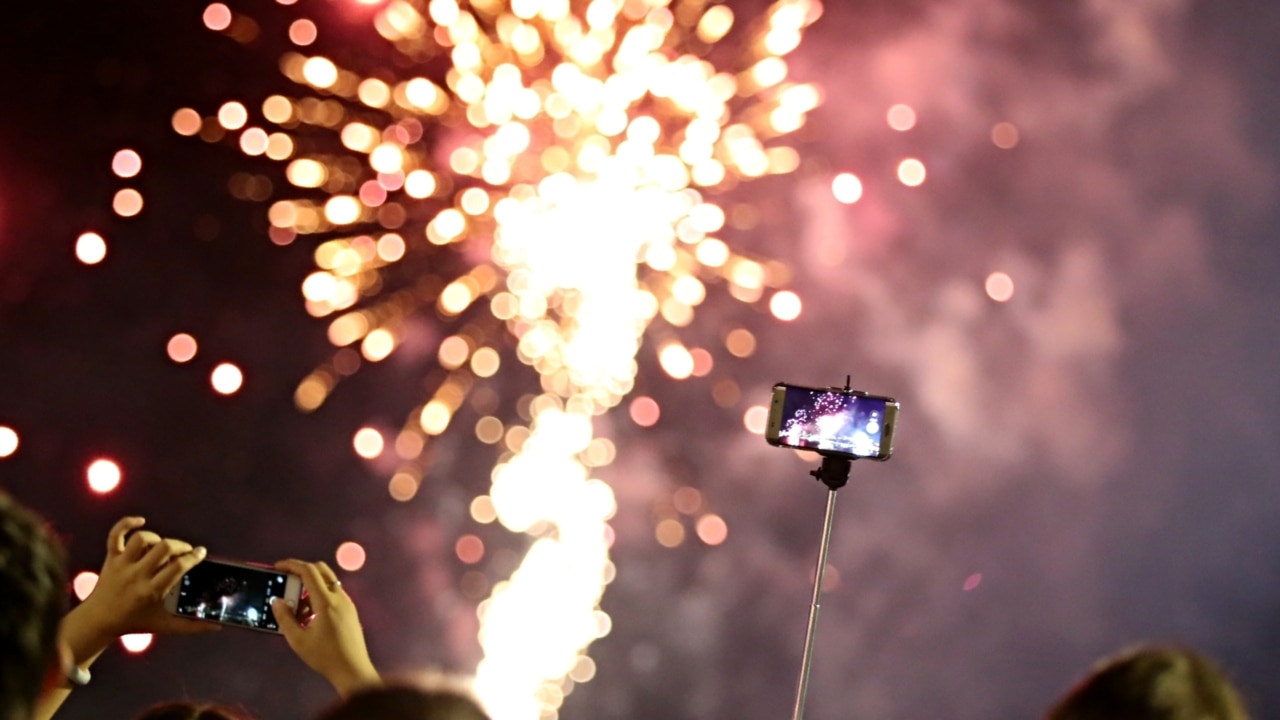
(232, 593)
(851, 424)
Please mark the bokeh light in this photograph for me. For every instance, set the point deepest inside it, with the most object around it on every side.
(972, 582)
(103, 476)
(126, 163)
(350, 556)
(302, 32)
(847, 188)
(226, 378)
(186, 122)
(368, 443)
(8, 441)
(644, 411)
(254, 141)
(669, 532)
(1005, 136)
(755, 419)
(91, 249)
(232, 115)
(911, 172)
(687, 500)
(181, 348)
(785, 305)
(999, 286)
(901, 117)
(84, 583)
(482, 510)
(469, 549)
(676, 360)
(402, 487)
(712, 529)
(740, 342)
(127, 202)
(217, 17)
(136, 642)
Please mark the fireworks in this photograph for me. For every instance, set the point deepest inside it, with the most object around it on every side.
(551, 177)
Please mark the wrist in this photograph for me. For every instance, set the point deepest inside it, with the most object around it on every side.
(87, 633)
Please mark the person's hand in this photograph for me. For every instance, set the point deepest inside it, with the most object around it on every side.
(139, 571)
(332, 644)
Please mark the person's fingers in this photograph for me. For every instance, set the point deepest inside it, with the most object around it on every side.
(119, 532)
(287, 621)
(138, 544)
(161, 552)
(172, 572)
(330, 577)
(313, 580)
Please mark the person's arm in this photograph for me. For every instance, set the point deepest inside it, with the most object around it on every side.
(138, 572)
(333, 643)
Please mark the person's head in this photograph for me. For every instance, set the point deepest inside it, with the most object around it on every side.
(190, 711)
(1152, 683)
(33, 599)
(405, 703)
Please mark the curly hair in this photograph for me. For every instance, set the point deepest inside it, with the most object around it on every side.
(33, 596)
(1152, 683)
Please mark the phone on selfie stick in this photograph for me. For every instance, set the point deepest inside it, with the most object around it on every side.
(841, 425)
(831, 421)
(234, 593)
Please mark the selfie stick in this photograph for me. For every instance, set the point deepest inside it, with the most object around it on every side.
(834, 473)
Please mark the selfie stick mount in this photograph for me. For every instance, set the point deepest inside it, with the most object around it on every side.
(834, 473)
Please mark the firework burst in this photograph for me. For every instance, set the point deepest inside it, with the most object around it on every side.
(542, 170)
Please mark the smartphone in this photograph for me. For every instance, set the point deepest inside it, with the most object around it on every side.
(233, 593)
(831, 421)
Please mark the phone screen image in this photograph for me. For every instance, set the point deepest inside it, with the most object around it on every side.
(231, 593)
(830, 421)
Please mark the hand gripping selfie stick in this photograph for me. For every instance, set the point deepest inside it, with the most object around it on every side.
(834, 473)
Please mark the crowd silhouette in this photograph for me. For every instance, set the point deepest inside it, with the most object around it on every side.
(46, 650)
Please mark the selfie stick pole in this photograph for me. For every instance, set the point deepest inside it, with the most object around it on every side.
(834, 473)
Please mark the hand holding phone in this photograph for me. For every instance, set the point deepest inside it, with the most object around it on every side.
(140, 567)
(233, 593)
(332, 643)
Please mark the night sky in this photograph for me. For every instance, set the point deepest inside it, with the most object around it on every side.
(1088, 465)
